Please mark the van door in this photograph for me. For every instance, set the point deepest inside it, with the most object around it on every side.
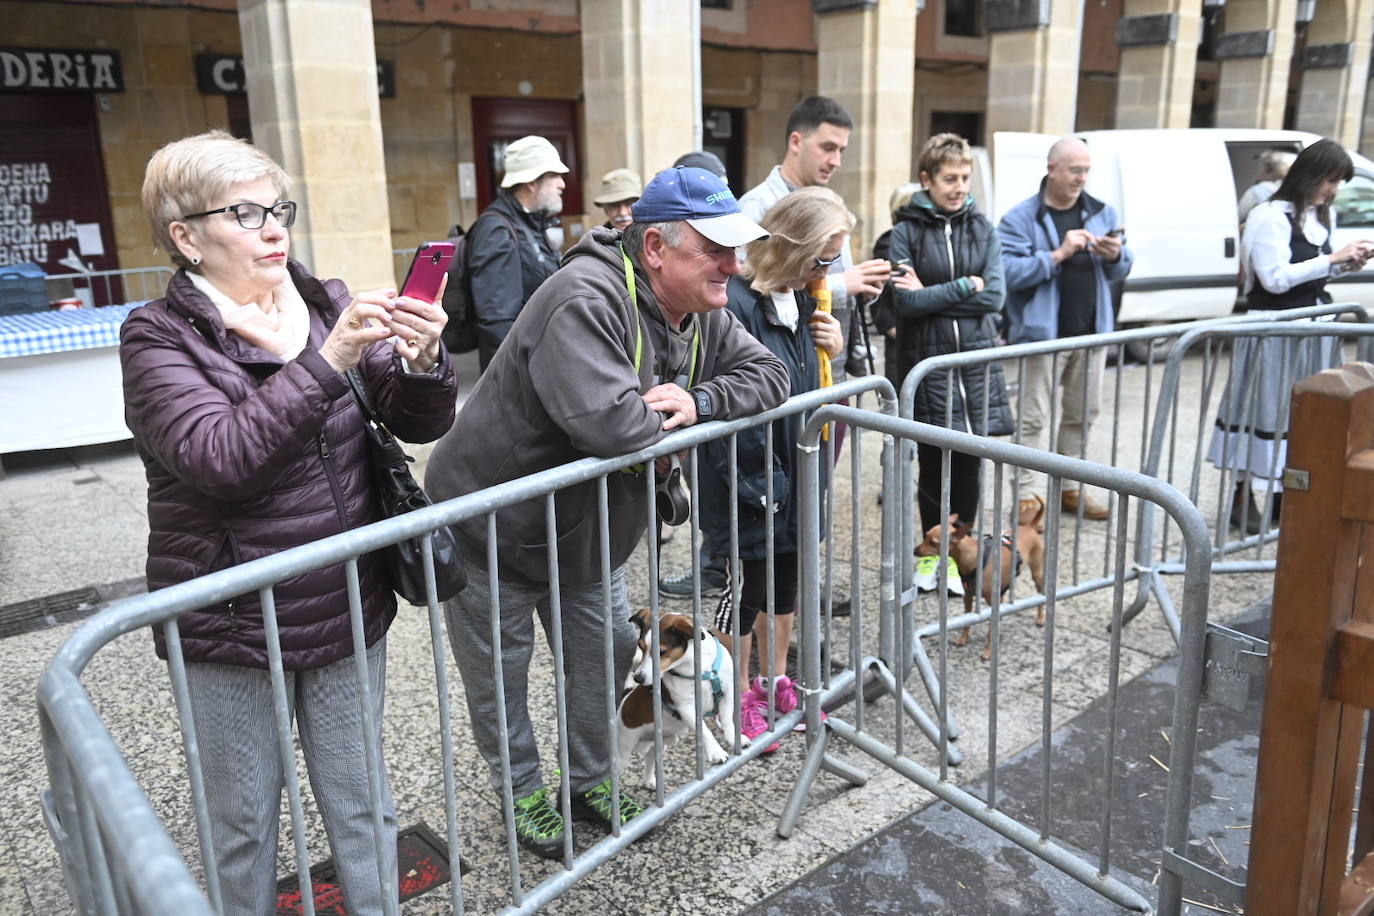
(1179, 211)
(1354, 208)
(1018, 165)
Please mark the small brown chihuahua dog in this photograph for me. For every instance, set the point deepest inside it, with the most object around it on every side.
(1029, 546)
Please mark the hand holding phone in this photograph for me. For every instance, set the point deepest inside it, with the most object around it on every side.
(1116, 233)
(427, 271)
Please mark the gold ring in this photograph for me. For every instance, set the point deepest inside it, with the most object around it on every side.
(354, 323)
(419, 342)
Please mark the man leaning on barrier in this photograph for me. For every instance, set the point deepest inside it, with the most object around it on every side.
(626, 342)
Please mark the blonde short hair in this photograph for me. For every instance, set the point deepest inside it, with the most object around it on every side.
(191, 174)
(800, 226)
(944, 149)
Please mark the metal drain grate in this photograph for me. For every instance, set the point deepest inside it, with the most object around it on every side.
(50, 610)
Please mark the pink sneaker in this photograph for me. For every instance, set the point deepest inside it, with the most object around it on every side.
(784, 694)
(752, 722)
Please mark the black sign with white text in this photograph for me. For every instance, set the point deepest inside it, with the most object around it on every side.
(60, 70)
(223, 74)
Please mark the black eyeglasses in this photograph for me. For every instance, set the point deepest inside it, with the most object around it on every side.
(819, 263)
(254, 216)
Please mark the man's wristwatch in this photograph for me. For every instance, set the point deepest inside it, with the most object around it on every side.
(703, 402)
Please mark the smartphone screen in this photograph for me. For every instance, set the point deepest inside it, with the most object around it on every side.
(427, 271)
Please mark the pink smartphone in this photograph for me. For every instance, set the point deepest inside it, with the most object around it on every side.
(427, 271)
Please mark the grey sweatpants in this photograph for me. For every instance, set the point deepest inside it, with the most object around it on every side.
(240, 759)
(469, 633)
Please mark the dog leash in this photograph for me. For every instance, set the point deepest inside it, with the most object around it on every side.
(712, 677)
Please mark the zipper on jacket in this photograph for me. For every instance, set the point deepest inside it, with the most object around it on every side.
(958, 342)
(949, 247)
(332, 474)
(959, 374)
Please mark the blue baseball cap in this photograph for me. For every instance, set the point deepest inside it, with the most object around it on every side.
(701, 199)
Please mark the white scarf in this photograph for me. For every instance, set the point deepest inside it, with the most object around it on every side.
(282, 328)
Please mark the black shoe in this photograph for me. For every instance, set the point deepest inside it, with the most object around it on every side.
(595, 805)
(1244, 511)
(841, 608)
(539, 825)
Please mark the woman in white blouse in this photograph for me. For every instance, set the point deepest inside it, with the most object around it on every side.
(1286, 260)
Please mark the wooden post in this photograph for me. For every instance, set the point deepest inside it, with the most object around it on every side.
(1318, 686)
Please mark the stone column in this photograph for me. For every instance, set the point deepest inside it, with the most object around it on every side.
(1158, 40)
(312, 90)
(1255, 53)
(1033, 65)
(1335, 75)
(637, 74)
(865, 62)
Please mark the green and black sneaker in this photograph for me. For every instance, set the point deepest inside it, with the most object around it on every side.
(595, 805)
(539, 825)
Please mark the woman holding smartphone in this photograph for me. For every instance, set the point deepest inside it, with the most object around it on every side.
(1286, 260)
(253, 444)
(947, 303)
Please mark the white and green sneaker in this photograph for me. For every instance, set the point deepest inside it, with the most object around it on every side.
(928, 575)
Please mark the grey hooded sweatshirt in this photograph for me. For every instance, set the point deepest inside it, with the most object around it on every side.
(564, 386)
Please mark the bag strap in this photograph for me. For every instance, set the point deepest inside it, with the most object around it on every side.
(364, 399)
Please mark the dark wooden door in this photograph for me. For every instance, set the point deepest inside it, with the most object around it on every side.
(54, 203)
(496, 122)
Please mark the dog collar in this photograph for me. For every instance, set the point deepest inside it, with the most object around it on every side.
(712, 677)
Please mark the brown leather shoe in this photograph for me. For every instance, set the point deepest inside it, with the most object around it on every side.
(1092, 509)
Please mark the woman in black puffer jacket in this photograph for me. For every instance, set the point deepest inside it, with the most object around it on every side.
(947, 301)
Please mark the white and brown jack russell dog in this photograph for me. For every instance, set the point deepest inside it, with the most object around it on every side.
(715, 691)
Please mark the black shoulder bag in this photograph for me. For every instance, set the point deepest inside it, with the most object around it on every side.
(398, 493)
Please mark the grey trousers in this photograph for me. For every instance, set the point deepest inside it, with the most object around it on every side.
(1078, 386)
(469, 633)
(236, 729)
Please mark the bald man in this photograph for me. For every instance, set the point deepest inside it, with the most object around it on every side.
(1061, 250)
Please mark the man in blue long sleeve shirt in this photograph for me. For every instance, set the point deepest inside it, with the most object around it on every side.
(1061, 249)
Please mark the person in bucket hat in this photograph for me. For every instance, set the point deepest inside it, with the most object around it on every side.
(626, 342)
(620, 188)
(508, 251)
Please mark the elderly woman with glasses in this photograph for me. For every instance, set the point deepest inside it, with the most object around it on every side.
(807, 231)
(253, 444)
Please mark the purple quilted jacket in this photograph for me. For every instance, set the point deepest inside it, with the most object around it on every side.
(247, 456)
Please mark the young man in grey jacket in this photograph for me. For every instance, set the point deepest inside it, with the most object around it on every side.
(621, 346)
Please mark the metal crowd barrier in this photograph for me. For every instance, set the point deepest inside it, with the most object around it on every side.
(1173, 418)
(112, 287)
(1114, 426)
(117, 853)
(877, 662)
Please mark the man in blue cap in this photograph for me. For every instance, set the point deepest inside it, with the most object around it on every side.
(627, 341)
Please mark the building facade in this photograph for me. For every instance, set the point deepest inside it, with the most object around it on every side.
(391, 115)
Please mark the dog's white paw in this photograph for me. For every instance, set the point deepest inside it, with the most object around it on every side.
(717, 756)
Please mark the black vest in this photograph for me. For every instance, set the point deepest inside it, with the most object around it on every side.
(1304, 294)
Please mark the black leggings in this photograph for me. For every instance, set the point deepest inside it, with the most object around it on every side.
(964, 470)
(753, 597)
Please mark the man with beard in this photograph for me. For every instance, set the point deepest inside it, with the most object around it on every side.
(509, 253)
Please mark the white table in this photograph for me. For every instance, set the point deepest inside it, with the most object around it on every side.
(60, 383)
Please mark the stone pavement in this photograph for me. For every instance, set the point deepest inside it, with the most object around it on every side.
(72, 534)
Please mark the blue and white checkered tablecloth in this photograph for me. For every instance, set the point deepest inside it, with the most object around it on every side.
(58, 331)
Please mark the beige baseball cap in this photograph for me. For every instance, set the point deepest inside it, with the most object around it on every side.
(528, 158)
(618, 185)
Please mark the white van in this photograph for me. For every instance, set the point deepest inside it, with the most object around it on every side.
(1176, 193)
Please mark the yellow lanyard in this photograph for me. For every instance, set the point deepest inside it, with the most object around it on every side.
(639, 336)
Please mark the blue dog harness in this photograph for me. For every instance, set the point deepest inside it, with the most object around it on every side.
(712, 677)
